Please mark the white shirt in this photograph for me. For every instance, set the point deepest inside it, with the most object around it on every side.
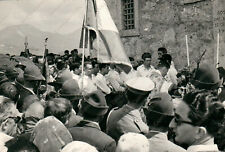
(165, 86)
(142, 71)
(88, 85)
(172, 74)
(113, 77)
(203, 148)
(101, 83)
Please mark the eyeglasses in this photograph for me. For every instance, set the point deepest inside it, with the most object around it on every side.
(179, 121)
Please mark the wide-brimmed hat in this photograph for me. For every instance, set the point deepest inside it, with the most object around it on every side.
(94, 104)
(70, 89)
(161, 103)
(32, 72)
(206, 77)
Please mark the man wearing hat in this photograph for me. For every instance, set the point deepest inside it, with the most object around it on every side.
(206, 77)
(128, 118)
(32, 77)
(62, 76)
(159, 112)
(93, 107)
(71, 91)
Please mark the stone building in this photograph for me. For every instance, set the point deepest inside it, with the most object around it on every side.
(146, 25)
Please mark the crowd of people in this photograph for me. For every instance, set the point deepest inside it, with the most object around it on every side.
(56, 104)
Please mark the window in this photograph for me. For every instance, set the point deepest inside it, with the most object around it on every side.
(128, 14)
(128, 17)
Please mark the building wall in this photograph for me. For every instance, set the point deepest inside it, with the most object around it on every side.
(165, 23)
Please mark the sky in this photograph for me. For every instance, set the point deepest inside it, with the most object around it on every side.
(56, 16)
(64, 17)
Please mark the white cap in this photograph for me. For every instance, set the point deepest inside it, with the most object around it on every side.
(140, 84)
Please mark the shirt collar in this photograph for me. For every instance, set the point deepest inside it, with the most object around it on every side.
(134, 112)
(90, 123)
(157, 134)
(205, 145)
(203, 148)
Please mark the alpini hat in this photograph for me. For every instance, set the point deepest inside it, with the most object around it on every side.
(32, 72)
(206, 77)
(161, 103)
(94, 104)
(70, 89)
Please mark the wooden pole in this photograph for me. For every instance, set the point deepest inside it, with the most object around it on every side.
(188, 60)
(83, 51)
(88, 41)
(217, 50)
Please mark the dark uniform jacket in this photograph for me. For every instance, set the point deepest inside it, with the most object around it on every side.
(90, 132)
(124, 120)
(24, 92)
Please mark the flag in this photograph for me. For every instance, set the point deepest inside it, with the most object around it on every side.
(108, 43)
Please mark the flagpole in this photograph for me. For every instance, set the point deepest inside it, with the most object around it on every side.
(98, 40)
(88, 41)
(187, 50)
(83, 51)
(217, 50)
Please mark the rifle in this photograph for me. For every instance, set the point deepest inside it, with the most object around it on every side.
(200, 58)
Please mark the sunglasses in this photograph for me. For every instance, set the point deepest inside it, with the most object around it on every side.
(179, 121)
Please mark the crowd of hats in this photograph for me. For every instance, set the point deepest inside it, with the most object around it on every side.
(41, 110)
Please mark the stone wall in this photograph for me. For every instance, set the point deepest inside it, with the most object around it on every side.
(165, 23)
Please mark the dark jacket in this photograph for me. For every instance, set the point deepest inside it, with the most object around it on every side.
(90, 132)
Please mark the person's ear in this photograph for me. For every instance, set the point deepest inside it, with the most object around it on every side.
(201, 132)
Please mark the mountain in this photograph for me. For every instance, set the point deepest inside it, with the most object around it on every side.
(12, 40)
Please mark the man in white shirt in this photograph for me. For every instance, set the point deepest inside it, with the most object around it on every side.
(163, 68)
(146, 69)
(100, 79)
(86, 83)
(172, 72)
(114, 79)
